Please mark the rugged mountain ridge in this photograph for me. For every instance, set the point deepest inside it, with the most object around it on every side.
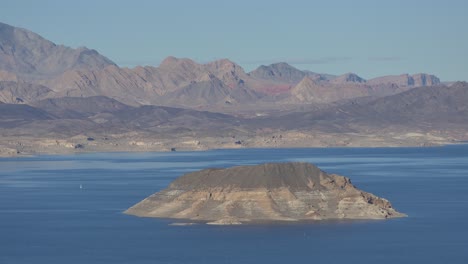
(46, 70)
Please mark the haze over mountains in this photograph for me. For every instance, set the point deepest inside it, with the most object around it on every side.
(50, 90)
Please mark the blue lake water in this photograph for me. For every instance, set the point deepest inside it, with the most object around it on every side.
(46, 218)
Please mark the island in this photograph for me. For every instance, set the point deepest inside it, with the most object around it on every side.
(292, 191)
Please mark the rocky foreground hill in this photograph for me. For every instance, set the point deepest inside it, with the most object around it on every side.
(268, 192)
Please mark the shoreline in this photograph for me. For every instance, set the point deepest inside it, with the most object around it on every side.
(31, 146)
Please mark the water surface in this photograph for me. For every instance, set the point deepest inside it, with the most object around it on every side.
(45, 217)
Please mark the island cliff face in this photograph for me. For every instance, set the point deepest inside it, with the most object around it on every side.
(267, 192)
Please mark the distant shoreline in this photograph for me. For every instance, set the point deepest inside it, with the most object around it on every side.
(36, 149)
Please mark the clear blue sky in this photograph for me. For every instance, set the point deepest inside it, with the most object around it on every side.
(369, 37)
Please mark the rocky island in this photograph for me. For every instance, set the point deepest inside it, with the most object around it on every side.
(269, 192)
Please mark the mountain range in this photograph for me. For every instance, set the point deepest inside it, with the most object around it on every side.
(36, 68)
(52, 91)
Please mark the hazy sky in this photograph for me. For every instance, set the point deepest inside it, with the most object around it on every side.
(369, 37)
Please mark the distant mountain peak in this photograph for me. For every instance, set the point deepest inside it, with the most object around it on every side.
(282, 64)
(172, 62)
(31, 56)
(281, 72)
(349, 78)
(228, 72)
(279, 67)
(223, 61)
(224, 64)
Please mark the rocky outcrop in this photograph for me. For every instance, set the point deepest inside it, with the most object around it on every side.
(268, 192)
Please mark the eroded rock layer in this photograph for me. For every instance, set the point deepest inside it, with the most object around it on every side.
(268, 192)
